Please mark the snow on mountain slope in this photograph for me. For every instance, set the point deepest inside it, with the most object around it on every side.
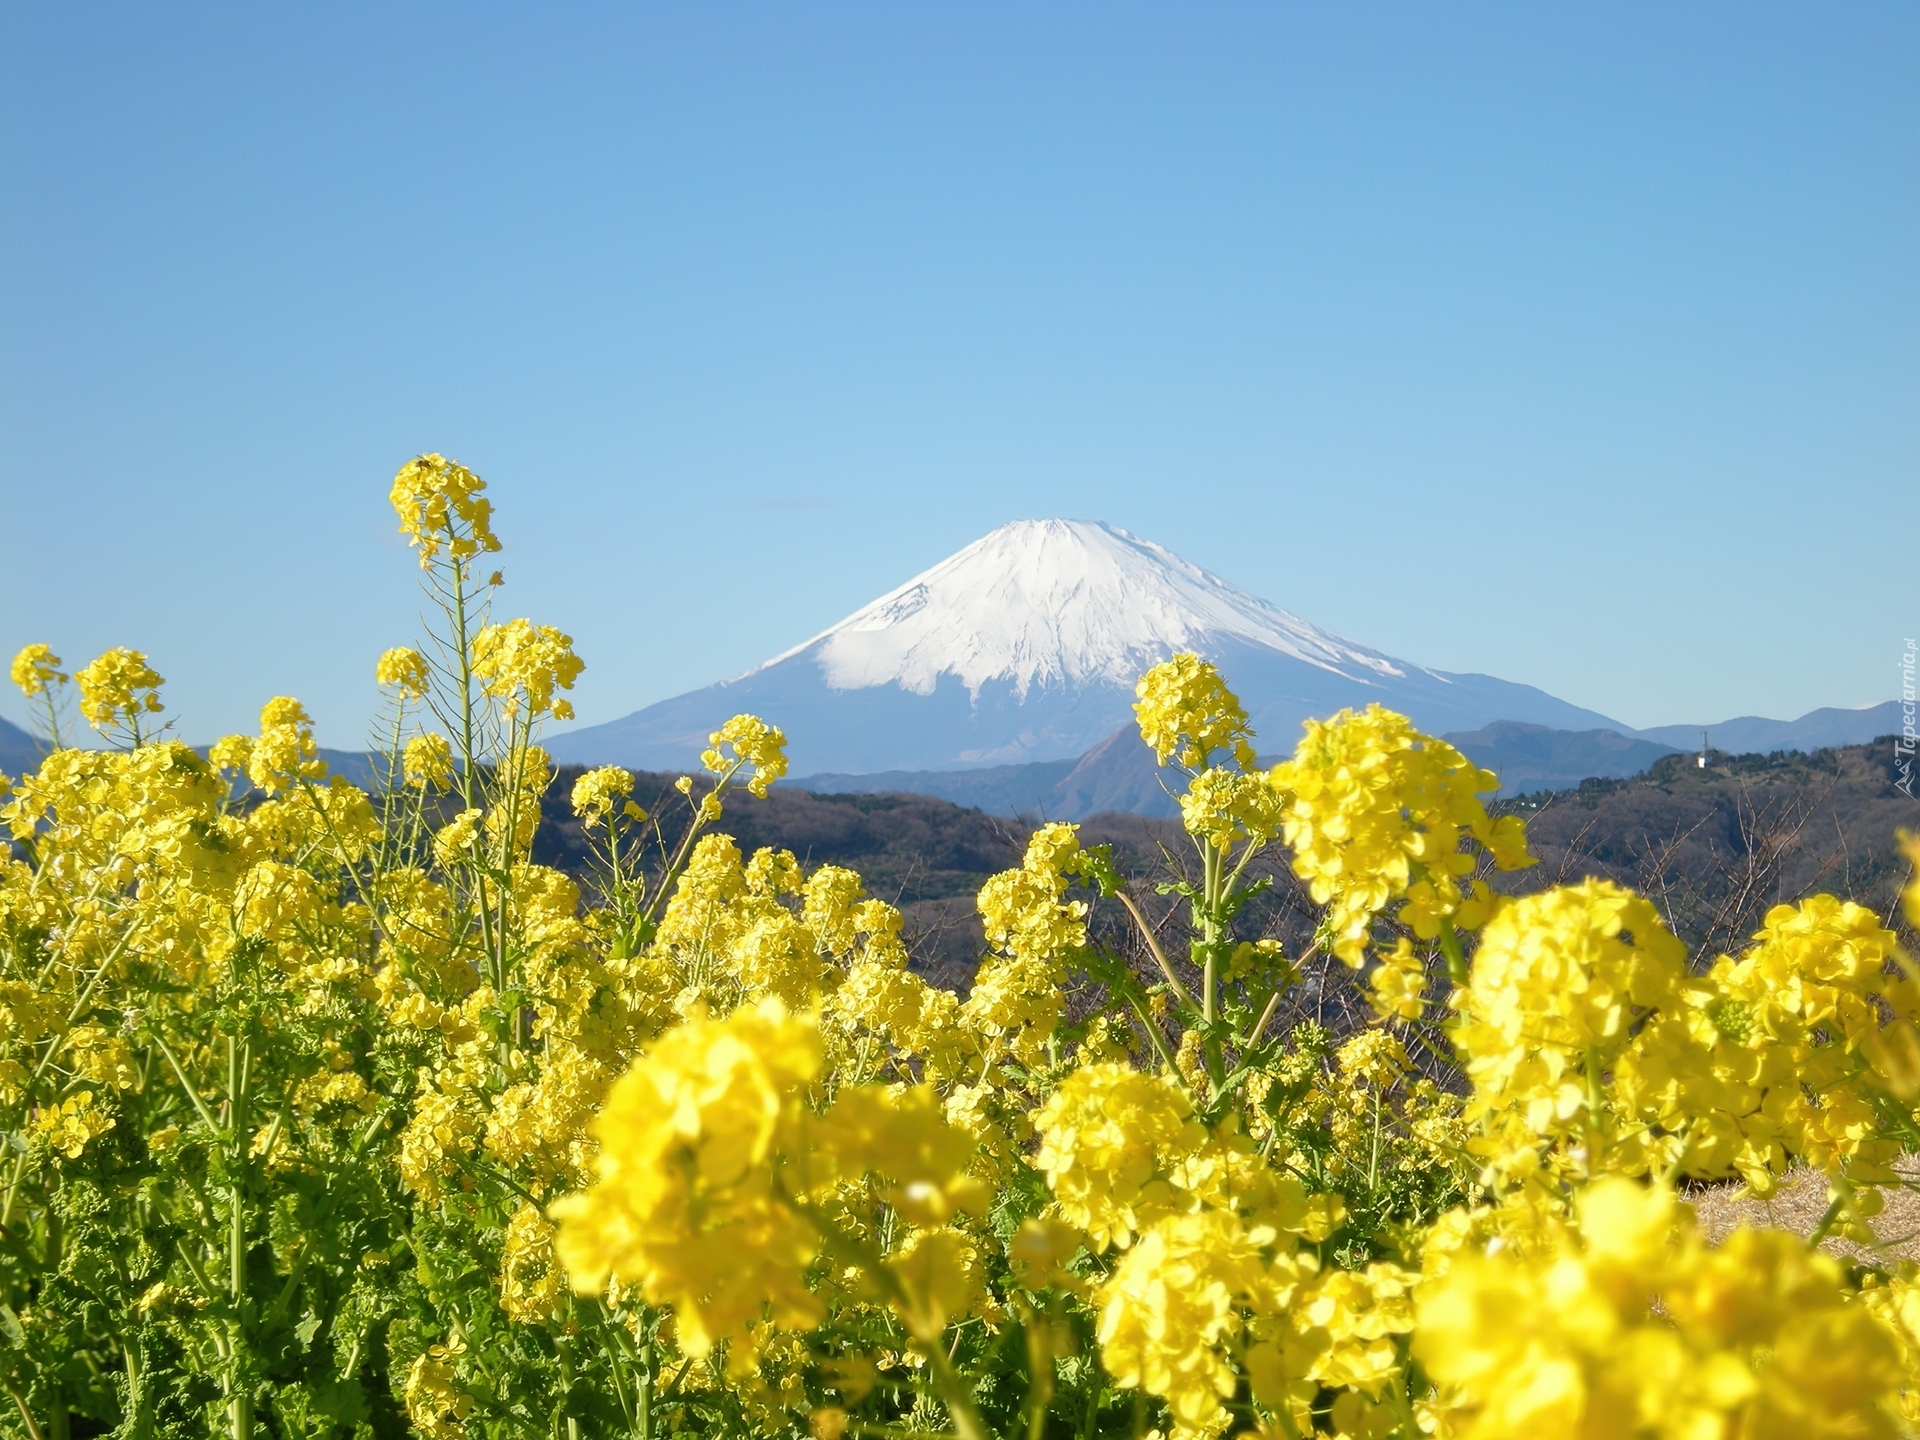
(1025, 646)
(1052, 601)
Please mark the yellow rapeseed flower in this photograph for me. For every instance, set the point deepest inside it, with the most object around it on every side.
(1626, 1324)
(440, 507)
(428, 760)
(1110, 1139)
(285, 753)
(523, 664)
(404, 669)
(598, 792)
(1375, 810)
(35, 668)
(749, 740)
(1174, 1302)
(685, 1206)
(71, 1124)
(1187, 713)
(117, 688)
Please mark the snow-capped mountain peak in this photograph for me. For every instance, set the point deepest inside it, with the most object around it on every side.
(1052, 602)
(1026, 646)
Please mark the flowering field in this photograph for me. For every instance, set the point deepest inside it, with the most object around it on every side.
(329, 1113)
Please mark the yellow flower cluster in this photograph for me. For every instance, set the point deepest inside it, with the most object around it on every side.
(1225, 806)
(35, 668)
(435, 1404)
(117, 688)
(713, 1168)
(70, 1124)
(1626, 1324)
(1399, 983)
(1559, 983)
(1583, 1031)
(1795, 1049)
(1173, 1302)
(1111, 1145)
(1015, 1004)
(428, 761)
(522, 664)
(1207, 1234)
(1376, 811)
(285, 753)
(440, 507)
(1187, 714)
(403, 669)
(749, 741)
(597, 793)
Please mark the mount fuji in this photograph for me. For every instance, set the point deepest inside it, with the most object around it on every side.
(1025, 646)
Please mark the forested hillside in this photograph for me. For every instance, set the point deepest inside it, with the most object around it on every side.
(1714, 847)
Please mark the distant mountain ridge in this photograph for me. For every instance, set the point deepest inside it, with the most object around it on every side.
(1531, 758)
(1121, 775)
(19, 751)
(1025, 646)
(1815, 730)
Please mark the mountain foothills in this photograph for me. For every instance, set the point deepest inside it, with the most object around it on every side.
(1120, 773)
(1003, 677)
(1716, 844)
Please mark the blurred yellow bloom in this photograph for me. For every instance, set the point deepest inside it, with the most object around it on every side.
(685, 1205)
(404, 669)
(456, 839)
(35, 668)
(1399, 983)
(1910, 897)
(1627, 1324)
(428, 760)
(231, 752)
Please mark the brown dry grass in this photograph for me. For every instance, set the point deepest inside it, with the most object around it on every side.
(1800, 1203)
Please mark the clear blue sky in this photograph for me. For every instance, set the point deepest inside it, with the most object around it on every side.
(1574, 343)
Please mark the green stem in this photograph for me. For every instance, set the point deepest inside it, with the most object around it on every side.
(1153, 946)
(199, 1105)
(26, 1415)
(1828, 1220)
(1456, 957)
(239, 1389)
(1210, 929)
(139, 1411)
(643, 1402)
(57, 1419)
